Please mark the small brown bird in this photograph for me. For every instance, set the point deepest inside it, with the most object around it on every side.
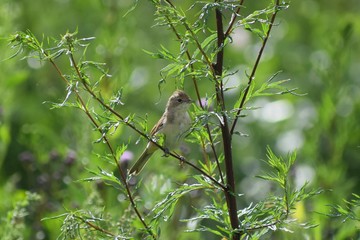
(173, 125)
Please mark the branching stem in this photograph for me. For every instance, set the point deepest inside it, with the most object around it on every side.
(123, 176)
(257, 61)
(96, 227)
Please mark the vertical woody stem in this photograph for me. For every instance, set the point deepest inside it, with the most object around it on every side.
(226, 136)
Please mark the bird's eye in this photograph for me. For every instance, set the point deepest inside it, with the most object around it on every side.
(179, 100)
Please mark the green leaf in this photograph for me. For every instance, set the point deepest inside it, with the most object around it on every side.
(107, 177)
(166, 207)
(205, 44)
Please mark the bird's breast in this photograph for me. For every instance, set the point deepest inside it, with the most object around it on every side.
(174, 129)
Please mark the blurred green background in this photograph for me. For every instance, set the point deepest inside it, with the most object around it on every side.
(315, 44)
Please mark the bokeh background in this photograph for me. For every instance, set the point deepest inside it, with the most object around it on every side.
(44, 150)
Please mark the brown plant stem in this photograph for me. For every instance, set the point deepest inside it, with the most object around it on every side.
(96, 227)
(233, 18)
(230, 184)
(257, 61)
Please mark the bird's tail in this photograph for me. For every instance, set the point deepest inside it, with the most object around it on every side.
(140, 163)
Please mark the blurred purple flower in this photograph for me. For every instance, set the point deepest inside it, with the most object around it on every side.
(26, 157)
(205, 104)
(70, 157)
(126, 156)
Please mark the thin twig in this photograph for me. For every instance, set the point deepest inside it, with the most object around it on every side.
(122, 174)
(123, 177)
(252, 75)
(96, 227)
(233, 18)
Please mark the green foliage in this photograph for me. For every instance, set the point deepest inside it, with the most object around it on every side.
(349, 212)
(14, 222)
(213, 193)
(282, 168)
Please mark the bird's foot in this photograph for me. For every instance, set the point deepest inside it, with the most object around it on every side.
(181, 160)
(166, 152)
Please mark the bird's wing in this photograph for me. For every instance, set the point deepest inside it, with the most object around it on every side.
(158, 126)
